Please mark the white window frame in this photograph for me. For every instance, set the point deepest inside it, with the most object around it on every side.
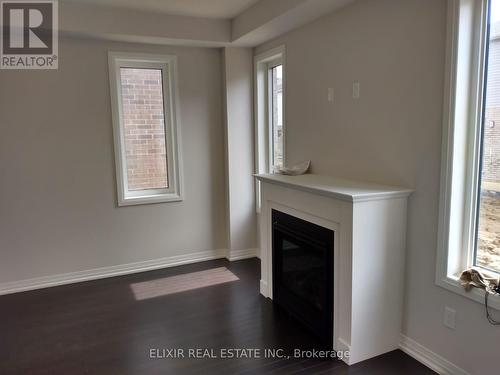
(462, 122)
(168, 66)
(263, 117)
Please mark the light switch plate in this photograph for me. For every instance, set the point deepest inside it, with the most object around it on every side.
(356, 87)
(331, 94)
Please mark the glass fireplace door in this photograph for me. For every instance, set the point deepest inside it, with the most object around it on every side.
(303, 273)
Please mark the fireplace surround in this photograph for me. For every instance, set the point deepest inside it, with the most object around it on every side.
(368, 222)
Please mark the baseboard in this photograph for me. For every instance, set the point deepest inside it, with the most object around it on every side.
(341, 346)
(104, 272)
(242, 254)
(264, 289)
(429, 358)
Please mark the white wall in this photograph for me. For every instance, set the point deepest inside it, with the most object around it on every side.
(58, 210)
(392, 134)
(238, 94)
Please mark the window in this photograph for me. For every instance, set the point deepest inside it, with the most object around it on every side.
(270, 104)
(275, 80)
(145, 126)
(469, 221)
(487, 253)
(270, 134)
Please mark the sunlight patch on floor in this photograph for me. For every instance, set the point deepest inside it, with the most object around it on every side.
(182, 283)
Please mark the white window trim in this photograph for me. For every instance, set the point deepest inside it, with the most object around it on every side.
(461, 140)
(263, 145)
(168, 65)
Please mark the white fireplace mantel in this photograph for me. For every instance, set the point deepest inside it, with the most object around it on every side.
(369, 222)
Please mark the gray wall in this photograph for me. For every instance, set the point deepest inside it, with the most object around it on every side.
(238, 95)
(392, 134)
(57, 191)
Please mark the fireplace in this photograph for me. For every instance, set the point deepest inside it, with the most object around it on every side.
(368, 223)
(303, 273)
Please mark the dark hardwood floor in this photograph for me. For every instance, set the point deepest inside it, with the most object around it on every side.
(110, 326)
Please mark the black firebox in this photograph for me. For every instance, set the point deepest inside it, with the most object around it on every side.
(303, 273)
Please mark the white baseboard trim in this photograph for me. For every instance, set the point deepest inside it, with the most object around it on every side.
(427, 357)
(242, 254)
(263, 288)
(104, 272)
(341, 346)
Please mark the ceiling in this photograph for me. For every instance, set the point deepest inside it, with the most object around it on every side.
(224, 9)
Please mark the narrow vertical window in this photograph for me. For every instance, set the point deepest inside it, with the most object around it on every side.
(487, 253)
(145, 128)
(276, 121)
(270, 113)
(469, 213)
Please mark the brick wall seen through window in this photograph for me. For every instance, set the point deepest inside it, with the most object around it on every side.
(144, 128)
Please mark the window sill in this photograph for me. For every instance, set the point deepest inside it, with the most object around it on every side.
(149, 199)
(452, 284)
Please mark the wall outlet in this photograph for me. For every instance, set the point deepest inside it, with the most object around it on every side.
(449, 317)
